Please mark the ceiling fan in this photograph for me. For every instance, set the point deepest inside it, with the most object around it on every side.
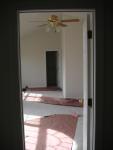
(54, 21)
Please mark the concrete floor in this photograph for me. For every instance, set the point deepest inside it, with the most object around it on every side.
(34, 109)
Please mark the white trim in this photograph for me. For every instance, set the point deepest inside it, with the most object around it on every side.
(85, 84)
(94, 81)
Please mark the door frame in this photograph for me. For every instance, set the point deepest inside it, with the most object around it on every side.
(89, 76)
(94, 59)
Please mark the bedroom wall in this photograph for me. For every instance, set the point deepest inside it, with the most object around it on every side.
(33, 58)
(72, 46)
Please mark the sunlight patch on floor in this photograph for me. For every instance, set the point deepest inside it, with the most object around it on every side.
(29, 117)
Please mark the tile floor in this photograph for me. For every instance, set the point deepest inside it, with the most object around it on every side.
(34, 109)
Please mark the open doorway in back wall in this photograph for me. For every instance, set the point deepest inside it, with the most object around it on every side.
(70, 76)
(51, 68)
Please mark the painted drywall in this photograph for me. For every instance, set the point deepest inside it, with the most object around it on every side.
(33, 58)
(59, 68)
(72, 49)
(70, 59)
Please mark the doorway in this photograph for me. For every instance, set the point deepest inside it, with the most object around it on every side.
(51, 68)
(66, 69)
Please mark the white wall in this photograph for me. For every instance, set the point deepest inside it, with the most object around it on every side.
(59, 68)
(33, 58)
(72, 45)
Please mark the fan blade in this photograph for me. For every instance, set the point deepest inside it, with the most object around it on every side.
(61, 24)
(36, 21)
(71, 20)
(42, 25)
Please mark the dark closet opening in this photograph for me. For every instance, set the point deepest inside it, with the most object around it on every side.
(51, 68)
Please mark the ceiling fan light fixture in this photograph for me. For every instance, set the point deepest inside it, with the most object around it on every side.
(54, 23)
(53, 27)
(48, 29)
(58, 29)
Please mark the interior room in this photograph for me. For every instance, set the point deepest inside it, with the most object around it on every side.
(51, 52)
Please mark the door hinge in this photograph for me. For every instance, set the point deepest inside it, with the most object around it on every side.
(89, 34)
(90, 102)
